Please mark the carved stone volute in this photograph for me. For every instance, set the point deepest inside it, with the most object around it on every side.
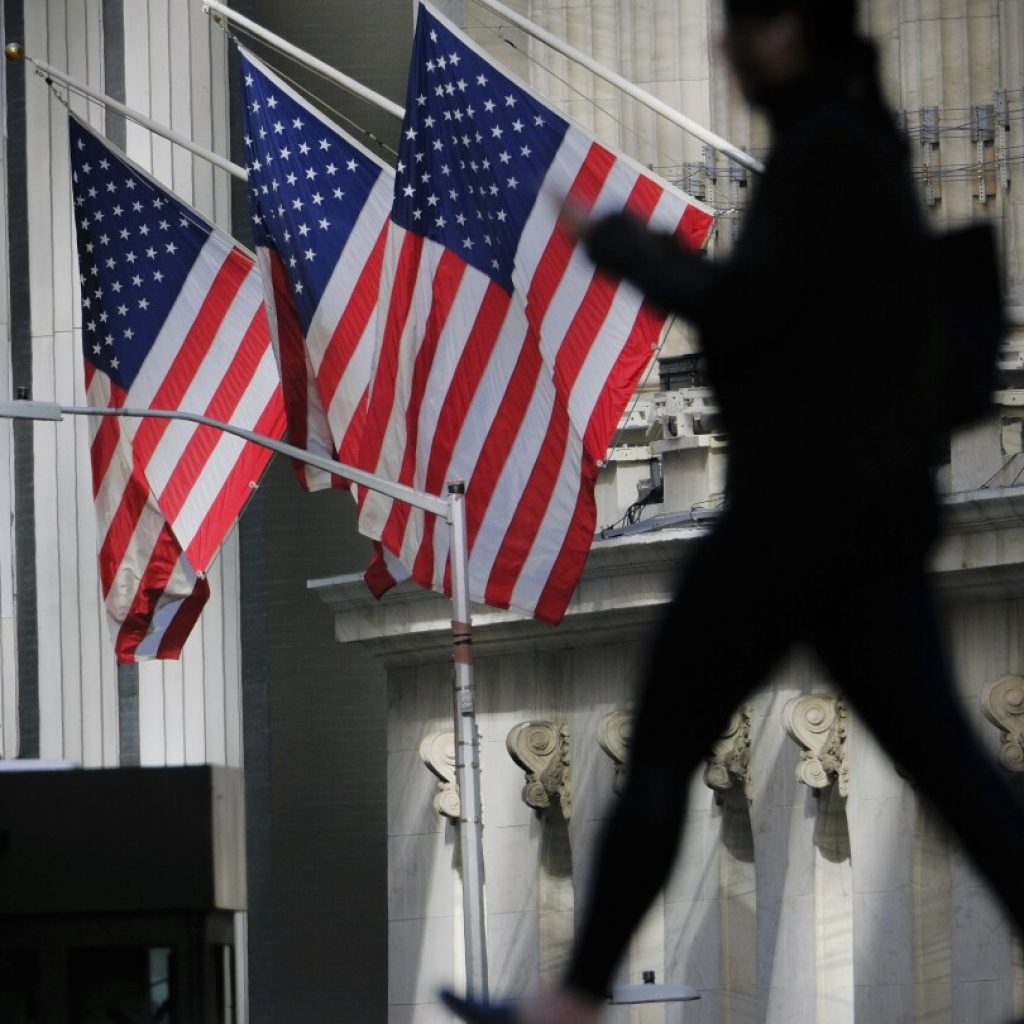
(729, 760)
(438, 753)
(541, 749)
(819, 725)
(614, 735)
(1003, 705)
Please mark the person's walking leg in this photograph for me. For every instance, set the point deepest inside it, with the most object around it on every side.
(738, 608)
(728, 625)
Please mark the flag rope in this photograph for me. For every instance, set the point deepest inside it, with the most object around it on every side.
(236, 36)
(49, 73)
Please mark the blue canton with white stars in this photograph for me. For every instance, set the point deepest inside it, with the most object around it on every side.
(136, 246)
(307, 185)
(474, 152)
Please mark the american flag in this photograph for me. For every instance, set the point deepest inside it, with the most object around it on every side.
(505, 359)
(319, 203)
(172, 318)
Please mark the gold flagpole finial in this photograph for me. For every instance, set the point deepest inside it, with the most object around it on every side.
(14, 51)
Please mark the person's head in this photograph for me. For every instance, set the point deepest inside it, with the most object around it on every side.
(772, 43)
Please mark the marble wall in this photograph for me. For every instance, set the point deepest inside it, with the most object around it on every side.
(168, 63)
(787, 902)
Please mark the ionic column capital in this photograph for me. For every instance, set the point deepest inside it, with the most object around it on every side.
(438, 753)
(614, 735)
(729, 760)
(541, 749)
(818, 723)
(1002, 703)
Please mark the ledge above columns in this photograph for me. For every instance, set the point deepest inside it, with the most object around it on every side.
(628, 578)
(626, 581)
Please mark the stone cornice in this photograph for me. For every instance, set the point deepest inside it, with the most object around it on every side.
(628, 578)
(981, 556)
(625, 582)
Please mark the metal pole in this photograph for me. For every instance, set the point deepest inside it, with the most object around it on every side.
(14, 51)
(467, 741)
(467, 752)
(427, 502)
(705, 135)
(338, 77)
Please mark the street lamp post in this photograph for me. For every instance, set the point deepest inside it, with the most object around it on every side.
(467, 741)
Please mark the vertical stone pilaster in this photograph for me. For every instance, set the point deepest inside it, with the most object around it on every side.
(880, 810)
(932, 891)
(833, 910)
(818, 724)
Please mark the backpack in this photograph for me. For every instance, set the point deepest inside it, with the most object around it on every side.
(971, 322)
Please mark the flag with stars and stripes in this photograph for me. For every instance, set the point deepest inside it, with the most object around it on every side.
(172, 318)
(504, 359)
(319, 203)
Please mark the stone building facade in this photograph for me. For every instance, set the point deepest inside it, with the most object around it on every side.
(791, 901)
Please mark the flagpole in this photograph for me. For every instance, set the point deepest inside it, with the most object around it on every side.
(26, 409)
(698, 131)
(338, 77)
(467, 738)
(705, 135)
(15, 51)
(467, 751)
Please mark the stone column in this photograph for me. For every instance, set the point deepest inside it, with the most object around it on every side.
(819, 724)
(782, 815)
(729, 775)
(932, 911)
(524, 851)
(986, 638)
(881, 813)
(424, 897)
(543, 750)
(601, 682)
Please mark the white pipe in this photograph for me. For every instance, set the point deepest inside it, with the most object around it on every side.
(467, 754)
(303, 57)
(649, 992)
(14, 52)
(32, 410)
(705, 135)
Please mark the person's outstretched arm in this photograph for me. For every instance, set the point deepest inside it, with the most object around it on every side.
(673, 277)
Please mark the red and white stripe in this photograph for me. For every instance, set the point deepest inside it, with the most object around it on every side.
(306, 420)
(168, 492)
(325, 374)
(517, 395)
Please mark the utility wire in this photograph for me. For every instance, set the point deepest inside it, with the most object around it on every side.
(233, 35)
(1006, 464)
